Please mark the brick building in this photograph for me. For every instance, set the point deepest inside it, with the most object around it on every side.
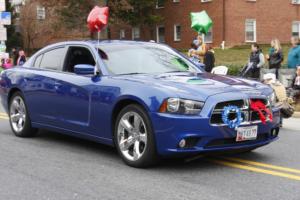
(235, 22)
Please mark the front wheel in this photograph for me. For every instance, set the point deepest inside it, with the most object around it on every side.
(134, 137)
(18, 117)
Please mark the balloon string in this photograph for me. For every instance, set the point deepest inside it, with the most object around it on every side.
(98, 38)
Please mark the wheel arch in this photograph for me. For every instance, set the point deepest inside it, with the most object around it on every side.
(11, 92)
(122, 103)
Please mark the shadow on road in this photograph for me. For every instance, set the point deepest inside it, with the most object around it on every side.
(92, 149)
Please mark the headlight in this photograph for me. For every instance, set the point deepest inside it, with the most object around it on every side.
(181, 106)
(272, 98)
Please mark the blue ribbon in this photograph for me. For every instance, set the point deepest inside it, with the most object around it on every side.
(235, 123)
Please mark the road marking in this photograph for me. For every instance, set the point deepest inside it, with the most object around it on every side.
(253, 166)
(259, 164)
(3, 116)
(255, 169)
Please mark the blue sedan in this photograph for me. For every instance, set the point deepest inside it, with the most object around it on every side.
(146, 99)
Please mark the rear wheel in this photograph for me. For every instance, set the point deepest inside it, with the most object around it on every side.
(18, 117)
(134, 137)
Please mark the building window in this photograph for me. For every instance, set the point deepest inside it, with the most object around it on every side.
(135, 33)
(40, 13)
(122, 34)
(177, 32)
(160, 34)
(204, 1)
(250, 30)
(296, 29)
(208, 38)
(160, 3)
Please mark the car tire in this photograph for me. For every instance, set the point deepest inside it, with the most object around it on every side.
(19, 119)
(134, 137)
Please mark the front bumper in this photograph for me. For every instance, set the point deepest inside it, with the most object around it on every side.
(170, 129)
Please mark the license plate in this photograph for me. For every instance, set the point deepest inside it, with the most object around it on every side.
(246, 133)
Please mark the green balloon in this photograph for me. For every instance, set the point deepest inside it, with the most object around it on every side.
(201, 22)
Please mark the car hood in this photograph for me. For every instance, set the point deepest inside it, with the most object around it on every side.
(203, 85)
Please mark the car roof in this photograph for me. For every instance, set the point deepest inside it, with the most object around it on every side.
(100, 42)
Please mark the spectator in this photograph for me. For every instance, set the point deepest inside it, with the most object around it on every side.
(192, 51)
(22, 58)
(280, 99)
(255, 62)
(209, 58)
(296, 84)
(14, 56)
(201, 48)
(7, 64)
(275, 56)
(294, 54)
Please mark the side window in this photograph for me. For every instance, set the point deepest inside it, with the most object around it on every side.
(53, 59)
(37, 61)
(77, 56)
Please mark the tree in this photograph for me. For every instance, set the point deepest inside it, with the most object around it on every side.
(135, 13)
(139, 13)
(33, 30)
(73, 13)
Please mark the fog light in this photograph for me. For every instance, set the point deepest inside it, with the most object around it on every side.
(182, 143)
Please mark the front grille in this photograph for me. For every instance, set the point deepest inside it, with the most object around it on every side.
(232, 141)
(238, 103)
(248, 115)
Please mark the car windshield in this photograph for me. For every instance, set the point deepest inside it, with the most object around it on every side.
(143, 59)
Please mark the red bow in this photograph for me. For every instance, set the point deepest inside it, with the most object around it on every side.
(259, 107)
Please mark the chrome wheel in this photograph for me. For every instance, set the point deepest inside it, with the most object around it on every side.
(132, 136)
(17, 114)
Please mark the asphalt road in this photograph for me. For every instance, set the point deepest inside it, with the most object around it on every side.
(56, 167)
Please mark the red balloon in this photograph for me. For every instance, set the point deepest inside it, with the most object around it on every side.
(98, 18)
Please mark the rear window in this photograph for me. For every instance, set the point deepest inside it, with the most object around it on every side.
(53, 59)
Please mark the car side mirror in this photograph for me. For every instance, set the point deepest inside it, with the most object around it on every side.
(84, 69)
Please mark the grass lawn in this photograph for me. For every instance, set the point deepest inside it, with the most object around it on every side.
(235, 58)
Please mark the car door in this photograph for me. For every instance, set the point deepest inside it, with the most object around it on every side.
(74, 91)
(42, 97)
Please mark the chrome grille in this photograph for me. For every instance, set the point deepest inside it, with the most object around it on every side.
(249, 116)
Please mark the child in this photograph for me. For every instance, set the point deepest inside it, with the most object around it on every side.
(7, 64)
(192, 52)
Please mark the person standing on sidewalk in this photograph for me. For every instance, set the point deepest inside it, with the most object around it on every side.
(275, 56)
(209, 58)
(255, 62)
(14, 55)
(201, 48)
(294, 54)
(22, 58)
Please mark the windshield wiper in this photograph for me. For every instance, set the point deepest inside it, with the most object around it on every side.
(132, 73)
(177, 72)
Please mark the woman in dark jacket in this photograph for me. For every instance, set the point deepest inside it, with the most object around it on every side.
(209, 58)
(275, 56)
(255, 62)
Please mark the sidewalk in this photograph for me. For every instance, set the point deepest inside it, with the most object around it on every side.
(296, 115)
(292, 123)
